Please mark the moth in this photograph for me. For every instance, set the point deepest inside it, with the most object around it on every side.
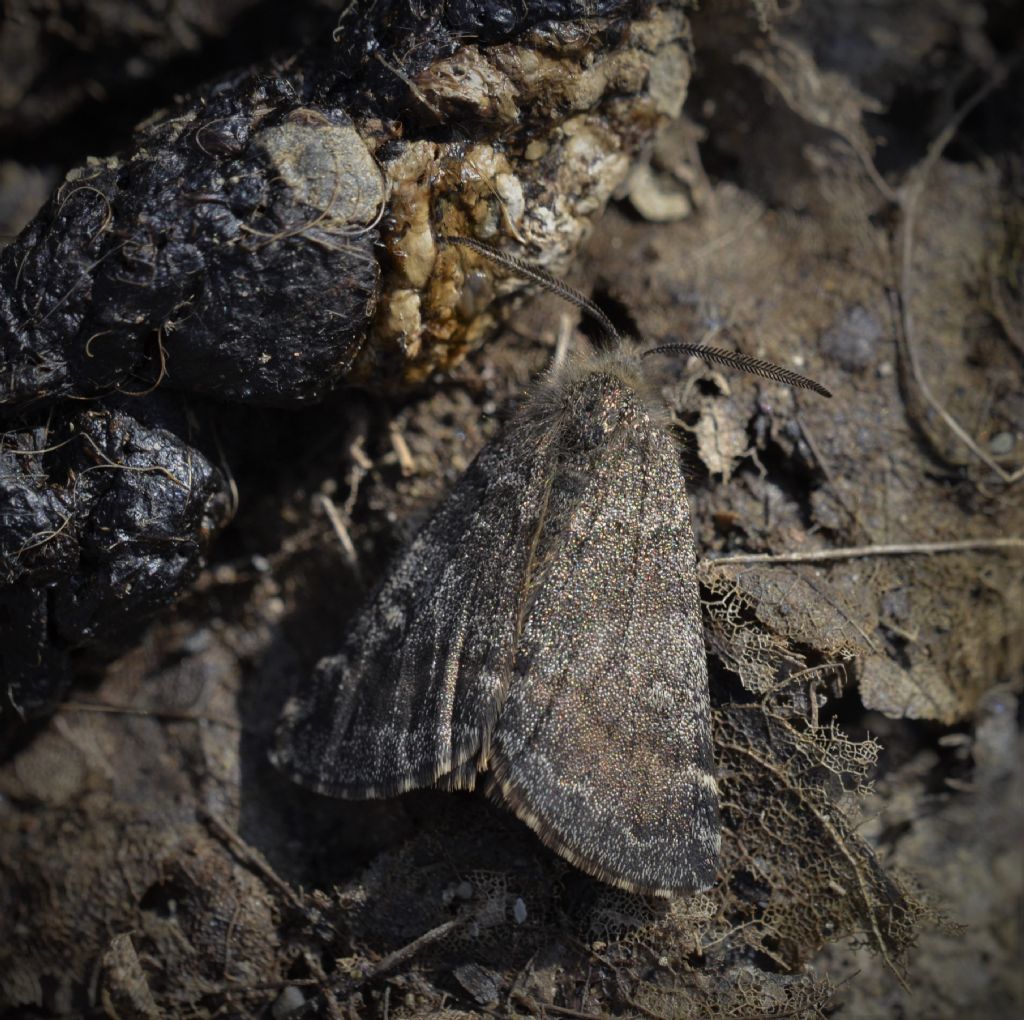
(544, 629)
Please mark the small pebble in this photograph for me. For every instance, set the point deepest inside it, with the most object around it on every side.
(1001, 444)
(519, 911)
(290, 999)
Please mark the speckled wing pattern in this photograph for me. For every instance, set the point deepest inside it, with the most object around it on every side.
(546, 625)
(418, 685)
(604, 743)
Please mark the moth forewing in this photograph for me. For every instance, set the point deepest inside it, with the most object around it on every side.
(604, 743)
(419, 682)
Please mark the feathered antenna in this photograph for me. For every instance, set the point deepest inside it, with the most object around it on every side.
(744, 362)
(541, 278)
(732, 359)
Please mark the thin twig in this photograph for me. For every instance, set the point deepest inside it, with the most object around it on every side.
(250, 857)
(105, 708)
(344, 539)
(910, 194)
(346, 984)
(863, 551)
(412, 948)
(540, 1008)
(406, 461)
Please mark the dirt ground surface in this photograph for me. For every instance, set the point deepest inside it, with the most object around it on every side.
(842, 194)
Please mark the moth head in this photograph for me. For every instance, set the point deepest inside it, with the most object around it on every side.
(596, 393)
